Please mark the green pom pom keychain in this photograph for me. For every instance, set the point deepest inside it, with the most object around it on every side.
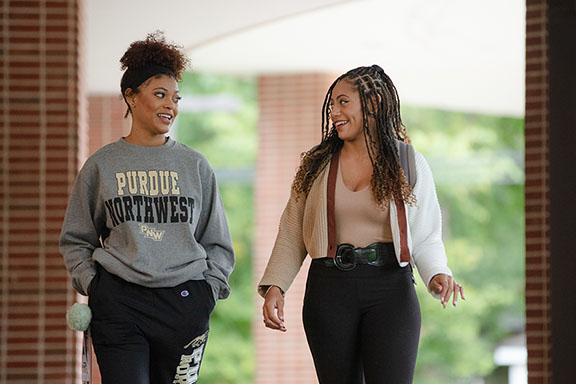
(78, 317)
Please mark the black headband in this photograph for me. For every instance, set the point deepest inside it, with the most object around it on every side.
(132, 78)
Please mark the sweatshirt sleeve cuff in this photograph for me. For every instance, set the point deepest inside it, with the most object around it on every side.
(85, 281)
(218, 290)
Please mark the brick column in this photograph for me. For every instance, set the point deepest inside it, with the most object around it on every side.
(537, 202)
(106, 120)
(290, 123)
(41, 120)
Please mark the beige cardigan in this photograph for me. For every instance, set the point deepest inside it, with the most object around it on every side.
(304, 230)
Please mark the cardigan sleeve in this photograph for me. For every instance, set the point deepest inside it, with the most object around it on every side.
(425, 220)
(289, 249)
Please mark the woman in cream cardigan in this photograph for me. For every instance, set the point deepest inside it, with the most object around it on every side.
(364, 226)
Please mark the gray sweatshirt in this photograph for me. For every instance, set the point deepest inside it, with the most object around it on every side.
(150, 215)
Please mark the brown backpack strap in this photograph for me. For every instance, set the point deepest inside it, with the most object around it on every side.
(403, 225)
(331, 192)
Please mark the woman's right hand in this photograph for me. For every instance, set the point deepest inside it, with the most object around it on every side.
(273, 309)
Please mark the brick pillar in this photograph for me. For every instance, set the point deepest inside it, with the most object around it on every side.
(41, 120)
(106, 122)
(290, 123)
(537, 202)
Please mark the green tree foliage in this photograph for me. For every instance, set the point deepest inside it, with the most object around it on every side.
(218, 117)
(477, 164)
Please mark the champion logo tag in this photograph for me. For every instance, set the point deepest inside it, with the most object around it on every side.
(184, 293)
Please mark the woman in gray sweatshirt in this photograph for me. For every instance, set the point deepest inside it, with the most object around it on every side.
(145, 235)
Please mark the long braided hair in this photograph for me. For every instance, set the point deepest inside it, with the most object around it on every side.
(379, 100)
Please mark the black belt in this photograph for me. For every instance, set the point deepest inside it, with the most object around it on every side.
(348, 257)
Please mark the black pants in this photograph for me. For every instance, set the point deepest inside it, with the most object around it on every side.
(362, 325)
(149, 335)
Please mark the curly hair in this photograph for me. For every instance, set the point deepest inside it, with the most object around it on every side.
(379, 100)
(155, 50)
(151, 57)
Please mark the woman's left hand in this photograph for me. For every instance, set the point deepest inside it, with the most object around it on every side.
(445, 286)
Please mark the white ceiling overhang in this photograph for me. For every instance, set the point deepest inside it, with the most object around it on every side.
(452, 54)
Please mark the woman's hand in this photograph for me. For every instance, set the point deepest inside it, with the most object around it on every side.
(273, 309)
(445, 286)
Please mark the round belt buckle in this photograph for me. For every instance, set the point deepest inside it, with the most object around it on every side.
(345, 251)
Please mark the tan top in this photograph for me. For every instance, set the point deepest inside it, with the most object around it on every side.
(359, 219)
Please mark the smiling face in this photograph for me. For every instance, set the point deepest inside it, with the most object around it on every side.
(346, 111)
(154, 107)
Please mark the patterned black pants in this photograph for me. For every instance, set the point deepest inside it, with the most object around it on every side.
(149, 335)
